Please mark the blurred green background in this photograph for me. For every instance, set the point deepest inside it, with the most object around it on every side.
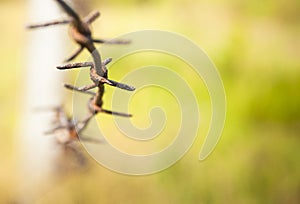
(256, 47)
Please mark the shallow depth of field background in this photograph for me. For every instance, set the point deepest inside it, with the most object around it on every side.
(256, 47)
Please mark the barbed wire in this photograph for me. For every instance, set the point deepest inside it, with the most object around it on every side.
(80, 32)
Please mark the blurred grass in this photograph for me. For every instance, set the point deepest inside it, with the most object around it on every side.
(255, 45)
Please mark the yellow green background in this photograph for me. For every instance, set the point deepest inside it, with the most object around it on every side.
(256, 47)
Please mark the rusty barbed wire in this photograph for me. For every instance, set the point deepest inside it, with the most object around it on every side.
(81, 33)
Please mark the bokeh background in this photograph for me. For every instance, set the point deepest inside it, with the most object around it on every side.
(256, 47)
